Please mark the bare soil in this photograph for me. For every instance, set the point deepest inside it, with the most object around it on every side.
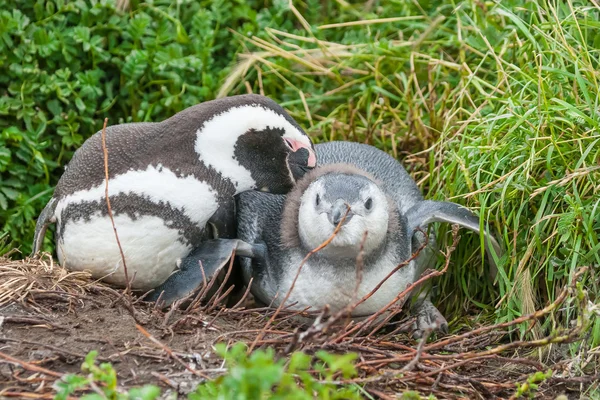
(50, 320)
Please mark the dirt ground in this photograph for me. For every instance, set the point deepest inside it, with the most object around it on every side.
(50, 319)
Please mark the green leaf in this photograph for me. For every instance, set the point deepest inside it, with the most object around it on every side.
(135, 66)
(148, 392)
(565, 223)
(80, 105)
(10, 193)
(93, 396)
(4, 202)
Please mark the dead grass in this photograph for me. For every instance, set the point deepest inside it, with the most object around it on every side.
(23, 280)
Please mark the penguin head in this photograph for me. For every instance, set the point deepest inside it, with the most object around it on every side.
(276, 157)
(338, 194)
(251, 141)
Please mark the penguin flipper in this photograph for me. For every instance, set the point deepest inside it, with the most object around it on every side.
(207, 260)
(428, 211)
(46, 218)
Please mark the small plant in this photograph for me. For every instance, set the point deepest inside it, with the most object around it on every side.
(255, 376)
(529, 388)
(5, 246)
(260, 376)
(103, 381)
(412, 395)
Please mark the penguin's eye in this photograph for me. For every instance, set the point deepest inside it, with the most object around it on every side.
(289, 144)
(369, 203)
(317, 200)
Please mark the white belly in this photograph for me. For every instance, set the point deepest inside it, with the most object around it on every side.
(151, 249)
(317, 286)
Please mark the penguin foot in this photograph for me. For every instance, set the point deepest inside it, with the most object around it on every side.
(429, 318)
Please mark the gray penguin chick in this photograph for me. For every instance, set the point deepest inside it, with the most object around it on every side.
(276, 232)
(284, 231)
(171, 186)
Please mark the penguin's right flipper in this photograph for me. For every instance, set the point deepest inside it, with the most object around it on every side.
(428, 211)
(209, 259)
(46, 218)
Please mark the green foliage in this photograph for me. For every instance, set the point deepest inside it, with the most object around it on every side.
(530, 387)
(4, 245)
(260, 376)
(412, 395)
(103, 377)
(66, 65)
(255, 376)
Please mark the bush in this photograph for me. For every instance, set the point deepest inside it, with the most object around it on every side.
(66, 65)
(259, 375)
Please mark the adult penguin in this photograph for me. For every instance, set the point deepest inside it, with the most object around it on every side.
(276, 232)
(171, 186)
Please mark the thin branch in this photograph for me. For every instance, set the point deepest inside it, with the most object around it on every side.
(169, 352)
(28, 366)
(110, 213)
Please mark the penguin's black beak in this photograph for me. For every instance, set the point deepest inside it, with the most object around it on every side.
(301, 161)
(338, 211)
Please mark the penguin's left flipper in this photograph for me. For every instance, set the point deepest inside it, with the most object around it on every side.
(207, 260)
(426, 212)
(46, 218)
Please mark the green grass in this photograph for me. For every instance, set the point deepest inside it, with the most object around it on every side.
(491, 105)
(494, 106)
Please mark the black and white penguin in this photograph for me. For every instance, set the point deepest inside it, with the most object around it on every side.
(276, 232)
(171, 186)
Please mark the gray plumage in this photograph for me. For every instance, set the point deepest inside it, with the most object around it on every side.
(270, 223)
(276, 232)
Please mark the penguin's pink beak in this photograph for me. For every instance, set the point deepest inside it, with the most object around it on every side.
(296, 145)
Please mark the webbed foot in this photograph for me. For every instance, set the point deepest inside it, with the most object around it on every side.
(428, 318)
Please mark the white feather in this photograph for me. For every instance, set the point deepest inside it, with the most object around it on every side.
(319, 285)
(149, 246)
(196, 199)
(329, 281)
(315, 228)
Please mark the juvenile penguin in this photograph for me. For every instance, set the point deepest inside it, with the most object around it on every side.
(171, 186)
(276, 232)
(330, 195)
(384, 201)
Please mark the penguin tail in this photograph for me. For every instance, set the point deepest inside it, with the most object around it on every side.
(46, 218)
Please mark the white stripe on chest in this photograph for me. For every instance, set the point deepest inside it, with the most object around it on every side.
(196, 199)
(318, 286)
(151, 249)
(216, 140)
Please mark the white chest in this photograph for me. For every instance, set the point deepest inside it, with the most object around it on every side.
(337, 287)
